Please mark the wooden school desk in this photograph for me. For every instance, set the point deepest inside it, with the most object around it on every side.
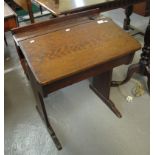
(65, 50)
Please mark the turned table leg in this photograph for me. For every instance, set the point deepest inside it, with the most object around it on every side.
(29, 6)
(145, 56)
(128, 12)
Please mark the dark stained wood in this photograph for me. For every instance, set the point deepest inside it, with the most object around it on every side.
(103, 87)
(128, 12)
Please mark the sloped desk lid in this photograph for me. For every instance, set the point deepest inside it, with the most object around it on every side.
(73, 48)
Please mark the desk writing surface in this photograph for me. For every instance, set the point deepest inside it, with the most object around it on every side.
(8, 12)
(68, 51)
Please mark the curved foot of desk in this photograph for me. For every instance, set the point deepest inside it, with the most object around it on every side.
(51, 131)
(108, 102)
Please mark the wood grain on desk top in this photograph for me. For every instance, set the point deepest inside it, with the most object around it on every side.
(64, 52)
(8, 12)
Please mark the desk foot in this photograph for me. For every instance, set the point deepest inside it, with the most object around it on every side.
(42, 111)
(101, 86)
(108, 102)
(51, 131)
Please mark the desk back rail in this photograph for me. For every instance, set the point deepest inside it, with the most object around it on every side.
(47, 26)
